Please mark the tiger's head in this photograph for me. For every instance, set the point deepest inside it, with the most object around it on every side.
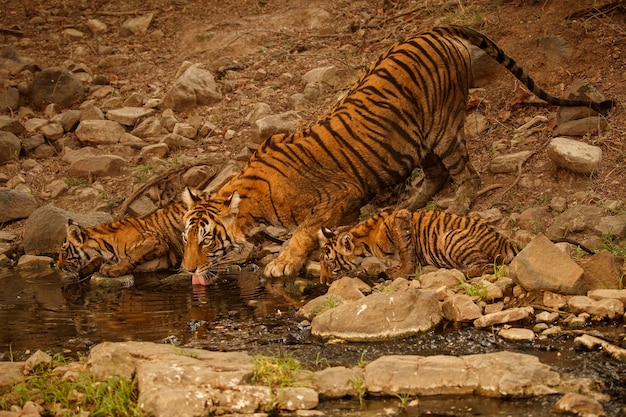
(338, 255)
(209, 234)
(78, 256)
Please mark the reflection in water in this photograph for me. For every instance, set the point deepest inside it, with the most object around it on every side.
(42, 310)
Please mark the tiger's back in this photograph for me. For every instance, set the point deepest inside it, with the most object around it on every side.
(468, 243)
(123, 246)
(423, 237)
(406, 111)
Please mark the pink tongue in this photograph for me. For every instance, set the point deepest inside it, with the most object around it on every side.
(199, 280)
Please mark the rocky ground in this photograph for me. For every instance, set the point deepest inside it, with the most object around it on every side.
(133, 57)
(126, 134)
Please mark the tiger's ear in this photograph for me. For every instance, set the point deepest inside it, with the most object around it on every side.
(190, 197)
(345, 243)
(75, 234)
(233, 202)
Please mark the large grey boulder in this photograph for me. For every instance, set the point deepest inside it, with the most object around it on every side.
(543, 266)
(44, 230)
(380, 316)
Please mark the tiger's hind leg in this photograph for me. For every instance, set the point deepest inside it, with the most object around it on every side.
(435, 177)
(398, 233)
(463, 174)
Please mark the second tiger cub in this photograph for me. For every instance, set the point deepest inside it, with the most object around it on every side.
(422, 237)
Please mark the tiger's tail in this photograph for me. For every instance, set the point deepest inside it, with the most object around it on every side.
(494, 51)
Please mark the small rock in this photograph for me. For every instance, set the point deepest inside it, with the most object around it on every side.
(578, 218)
(186, 130)
(602, 270)
(134, 100)
(15, 205)
(517, 334)
(10, 147)
(505, 316)
(547, 317)
(34, 262)
(580, 405)
(89, 111)
(268, 126)
(195, 87)
(99, 131)
(349, 289)
(588, 126)
(52, 131)
(174, 141)
(508, 163)
(96, 26)
(326, 75)
(158, 150)
(319, 305)
(37, 360)
(297, 398)
(612, 225)
(601, 309)
(460, 308)
(129, 116)
(73, 34)
(337, 381)
(9, 100)
(98, 166)
(9, 124)
(70, 119)
(149, 127)
(136, 25)
(56, 85)
(574, 155)
(602, 294)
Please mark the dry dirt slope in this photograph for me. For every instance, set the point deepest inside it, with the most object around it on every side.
(236, 39)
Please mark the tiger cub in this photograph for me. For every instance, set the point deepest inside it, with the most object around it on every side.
(406, 111)
(148, 244)
(422, 237)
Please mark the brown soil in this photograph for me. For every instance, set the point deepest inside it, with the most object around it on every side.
(235, 39)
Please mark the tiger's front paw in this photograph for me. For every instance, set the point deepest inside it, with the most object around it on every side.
(279, 268)
(114, 270)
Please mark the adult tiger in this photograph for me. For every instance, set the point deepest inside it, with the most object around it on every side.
(148, 244)
(423, 237)
(407, 111)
